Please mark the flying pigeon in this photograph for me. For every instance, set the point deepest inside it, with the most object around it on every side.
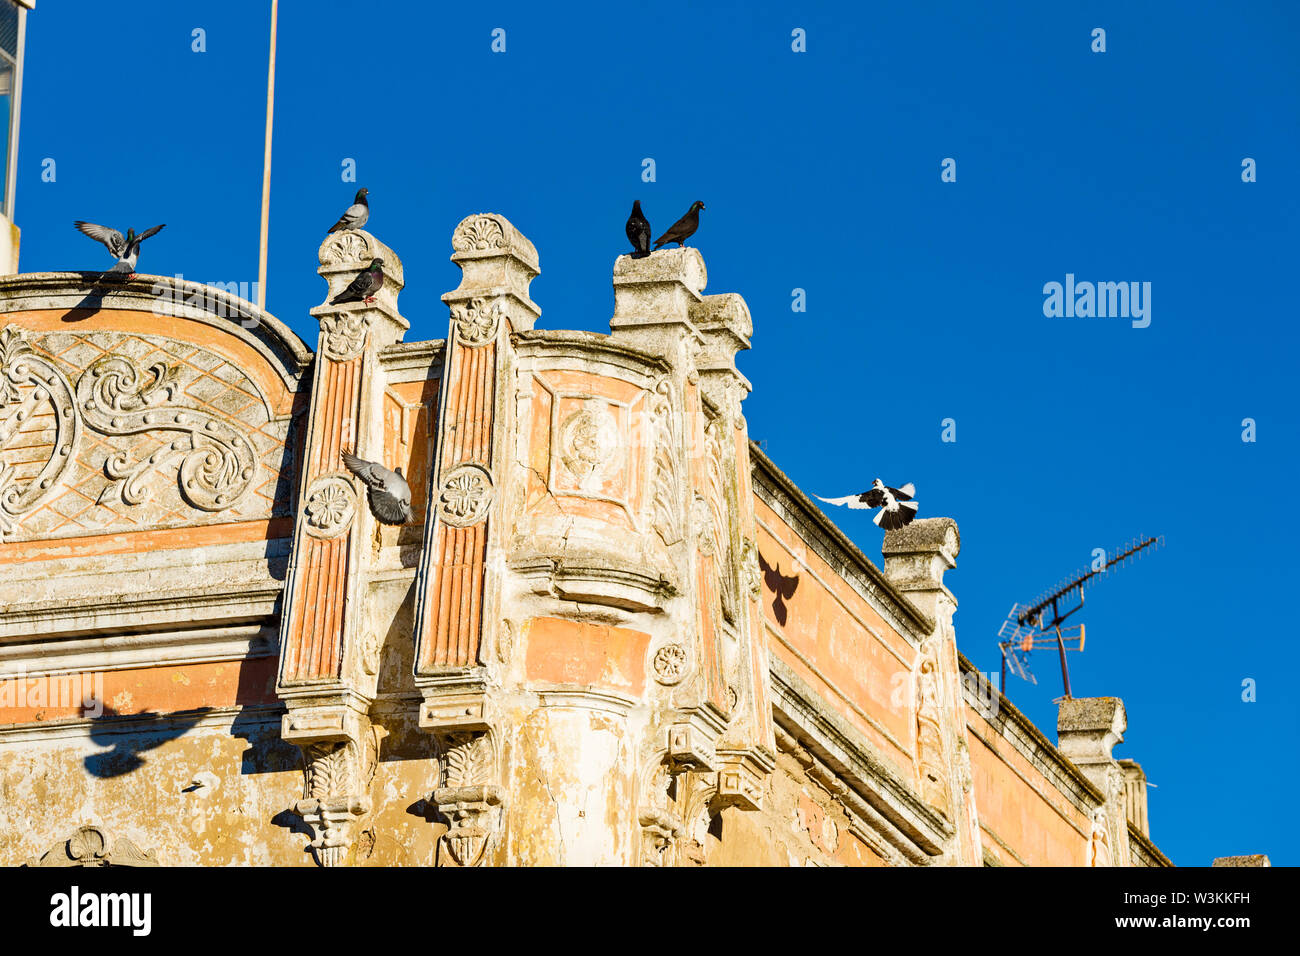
(683, 228)
(780, 585)
(355, 216)
(363, 288)
(126, 248)
(896, 505)
(390, 495)
(638, 231)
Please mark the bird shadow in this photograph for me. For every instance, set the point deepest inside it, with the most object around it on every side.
(101, 283)
(126, 743)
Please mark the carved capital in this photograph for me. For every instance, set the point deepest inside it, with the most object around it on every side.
(339, 759)
(659, 830)
(468, 799)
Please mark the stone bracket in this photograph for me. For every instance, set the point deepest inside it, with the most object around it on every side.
(742, 778)
(659, 830)
(337, 769)
(471, 816)
(692, 740)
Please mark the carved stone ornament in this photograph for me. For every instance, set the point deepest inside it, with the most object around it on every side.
(670, 663)
(468, 800)
(665, 520)
(930, 751)
(32, 392)
(116, 397)
(331, 506)
(751, 573)
(345, 335)
(1099, 842)
(478, 234)
(465, 496)
(587, 441)
(477, 321)
(90, 846)
(337, 775)
(659, 830)
(345, 247)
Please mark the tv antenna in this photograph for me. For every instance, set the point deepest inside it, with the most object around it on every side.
(1042, 623)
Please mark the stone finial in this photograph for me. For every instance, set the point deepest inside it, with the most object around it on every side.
(657, 290)
(497, 264)
(344, 254)
(918, 554)
(1086, 730)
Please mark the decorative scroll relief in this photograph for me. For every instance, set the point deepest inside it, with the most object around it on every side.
(478, 234)
(37, 410)
(90, 846)
(345, 335)
(931, 765)
(477, 321)
(331, 506)
(465, 496)
(666, 494)
(115, 397)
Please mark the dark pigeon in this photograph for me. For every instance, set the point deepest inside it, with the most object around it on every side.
(364, 286)
(896, 505)
(638, 231)
(780, 585)
(390, 495)
(356, 215)
(125, 248)
(683, 228)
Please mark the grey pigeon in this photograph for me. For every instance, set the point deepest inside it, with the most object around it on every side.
(125, 248)
(390, 495)
(355, 216)
(896, 505)
(638, 231)
(364, 286)
(683, 228)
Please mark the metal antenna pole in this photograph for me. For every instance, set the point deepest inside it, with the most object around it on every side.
(266, 166)
(1065, 668)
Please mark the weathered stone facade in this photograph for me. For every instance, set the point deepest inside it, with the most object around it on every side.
(572, 657)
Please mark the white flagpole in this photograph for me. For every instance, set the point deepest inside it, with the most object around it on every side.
(266, 166)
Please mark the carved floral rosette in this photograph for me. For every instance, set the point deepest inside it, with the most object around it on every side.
(465, 496)
(331, 506)
(670, 662)
(29, 385)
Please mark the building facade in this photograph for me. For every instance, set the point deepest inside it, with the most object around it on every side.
(614, 634)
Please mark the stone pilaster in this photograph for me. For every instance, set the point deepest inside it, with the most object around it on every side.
(321, 678)
(457, 612)
(916, 558)
(1087, 728)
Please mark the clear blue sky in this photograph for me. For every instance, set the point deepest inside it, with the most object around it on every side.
(821, 171)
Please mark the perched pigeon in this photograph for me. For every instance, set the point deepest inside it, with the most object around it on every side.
(363, 288)
(896, 505)
(390, 495)
(683, 228)
(780, 585)
(638, 231)
(355, 216)
(126, 248)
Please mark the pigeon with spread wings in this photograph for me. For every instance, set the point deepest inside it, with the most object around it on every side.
(896, 505)
(780, 585)
(390, 495)
(125, 248)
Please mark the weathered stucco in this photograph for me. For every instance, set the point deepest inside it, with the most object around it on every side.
(571, 656)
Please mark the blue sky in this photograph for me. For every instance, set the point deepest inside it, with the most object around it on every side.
(821, 171)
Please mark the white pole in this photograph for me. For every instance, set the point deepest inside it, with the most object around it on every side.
(266, 166)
